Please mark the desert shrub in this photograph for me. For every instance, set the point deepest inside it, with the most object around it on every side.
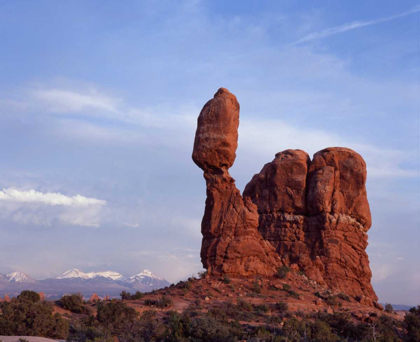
(149, 325)
(358, 298)
(203, 328)
(164, 302)
(412, 324)
(387, 328)
(116, 316)
(88, 329)
(317, 294)
(282, 272)
(26, 316)
(243, 311)
(226, 279)
(129, 296)
(343, 296)
(125, 295)
(321, 332)
(282, 307)
(137, 295)
(331, 300)
(185, 284)
(256, 288)
(293, 294)
(286, 287)
(293, 329)
(31, 296)
(261, 309)
(150, 302)
(389, 308)
(223, 313)
(202, 274)
(207, 328)
(73, 303)
(243, 305)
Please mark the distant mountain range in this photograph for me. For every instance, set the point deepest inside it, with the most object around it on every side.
(72, 281)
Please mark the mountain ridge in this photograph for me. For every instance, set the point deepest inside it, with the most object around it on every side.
(73, 280)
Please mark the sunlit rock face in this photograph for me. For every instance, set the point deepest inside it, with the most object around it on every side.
(312, 216)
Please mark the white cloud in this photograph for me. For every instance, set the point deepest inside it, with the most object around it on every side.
(47, 198)
(48, 209)
(352, 26)
(67, 101)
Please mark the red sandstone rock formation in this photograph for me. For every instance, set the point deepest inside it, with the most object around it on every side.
(232, 243)
(310, 215)
(6, 298)
(94, 298)
(338, 205)
(41, 296)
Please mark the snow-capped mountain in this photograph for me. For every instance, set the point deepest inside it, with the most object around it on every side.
(75, 273)
(146, 278)
(18, 277)
(73, 281)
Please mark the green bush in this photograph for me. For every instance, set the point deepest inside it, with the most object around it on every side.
(137, 295)
(31, 296)
(26, 315)
(128, 296)
(389, 308)
(321, 332)
(282, 307)
(73, 303)
(116, 316)
(286, 287)
(165, 302)
(343, 296)
(331, 300)
(162, 302)
(256, 288)
(261, 309)
(202, 274)
(293, 294)
(282, 272)
(125, 295)
(412, 324)
(244, 305)
(226, 279)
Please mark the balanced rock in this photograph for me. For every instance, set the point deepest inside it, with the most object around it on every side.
(309, 215)
(216, 139)
(231, 243)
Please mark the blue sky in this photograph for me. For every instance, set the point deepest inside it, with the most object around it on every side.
(98, 107)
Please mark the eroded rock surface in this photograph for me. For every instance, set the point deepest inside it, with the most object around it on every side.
(310, 215)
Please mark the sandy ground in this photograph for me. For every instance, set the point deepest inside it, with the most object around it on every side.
(28, 338)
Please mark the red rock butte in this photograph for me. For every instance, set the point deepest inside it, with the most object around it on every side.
(310, 215)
